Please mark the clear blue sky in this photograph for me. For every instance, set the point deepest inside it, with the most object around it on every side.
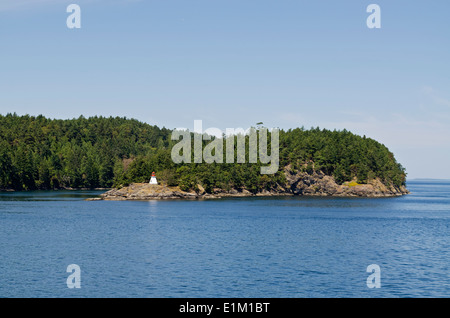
(233, 63)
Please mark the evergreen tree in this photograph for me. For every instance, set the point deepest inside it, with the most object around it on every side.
(41, 153)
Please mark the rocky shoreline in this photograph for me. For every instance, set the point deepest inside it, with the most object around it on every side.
(302, 184)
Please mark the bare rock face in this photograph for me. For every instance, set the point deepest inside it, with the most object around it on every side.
(319, 184)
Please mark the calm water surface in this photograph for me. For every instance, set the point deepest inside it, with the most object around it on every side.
(245, 247)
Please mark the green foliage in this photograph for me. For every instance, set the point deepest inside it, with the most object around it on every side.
(341, 154)
(41, 153)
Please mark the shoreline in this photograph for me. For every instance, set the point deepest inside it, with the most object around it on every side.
(147, 192)
(315, 184)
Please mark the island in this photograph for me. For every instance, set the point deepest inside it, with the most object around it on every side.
(120, 154)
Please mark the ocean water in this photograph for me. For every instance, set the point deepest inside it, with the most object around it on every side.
(243, 247)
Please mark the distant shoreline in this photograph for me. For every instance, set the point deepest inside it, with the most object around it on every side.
(426, 179)
(55, 190)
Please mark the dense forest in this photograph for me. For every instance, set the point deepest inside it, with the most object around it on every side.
(99, 152)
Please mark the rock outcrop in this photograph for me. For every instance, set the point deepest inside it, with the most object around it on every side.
(145, 191)
(297, 183)
(319, 184)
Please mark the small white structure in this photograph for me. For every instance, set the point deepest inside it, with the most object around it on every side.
(153, 179)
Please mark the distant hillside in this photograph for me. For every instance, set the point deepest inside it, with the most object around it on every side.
(99, 152)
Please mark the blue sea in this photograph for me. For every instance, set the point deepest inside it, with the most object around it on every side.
(292, 247)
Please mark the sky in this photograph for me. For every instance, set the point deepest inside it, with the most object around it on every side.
(234, 63)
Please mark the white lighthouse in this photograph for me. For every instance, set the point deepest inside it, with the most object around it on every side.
(153, 179)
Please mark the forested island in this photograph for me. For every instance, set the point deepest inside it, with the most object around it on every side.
(38, 153)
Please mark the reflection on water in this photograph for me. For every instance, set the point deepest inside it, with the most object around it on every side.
(59, 195)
